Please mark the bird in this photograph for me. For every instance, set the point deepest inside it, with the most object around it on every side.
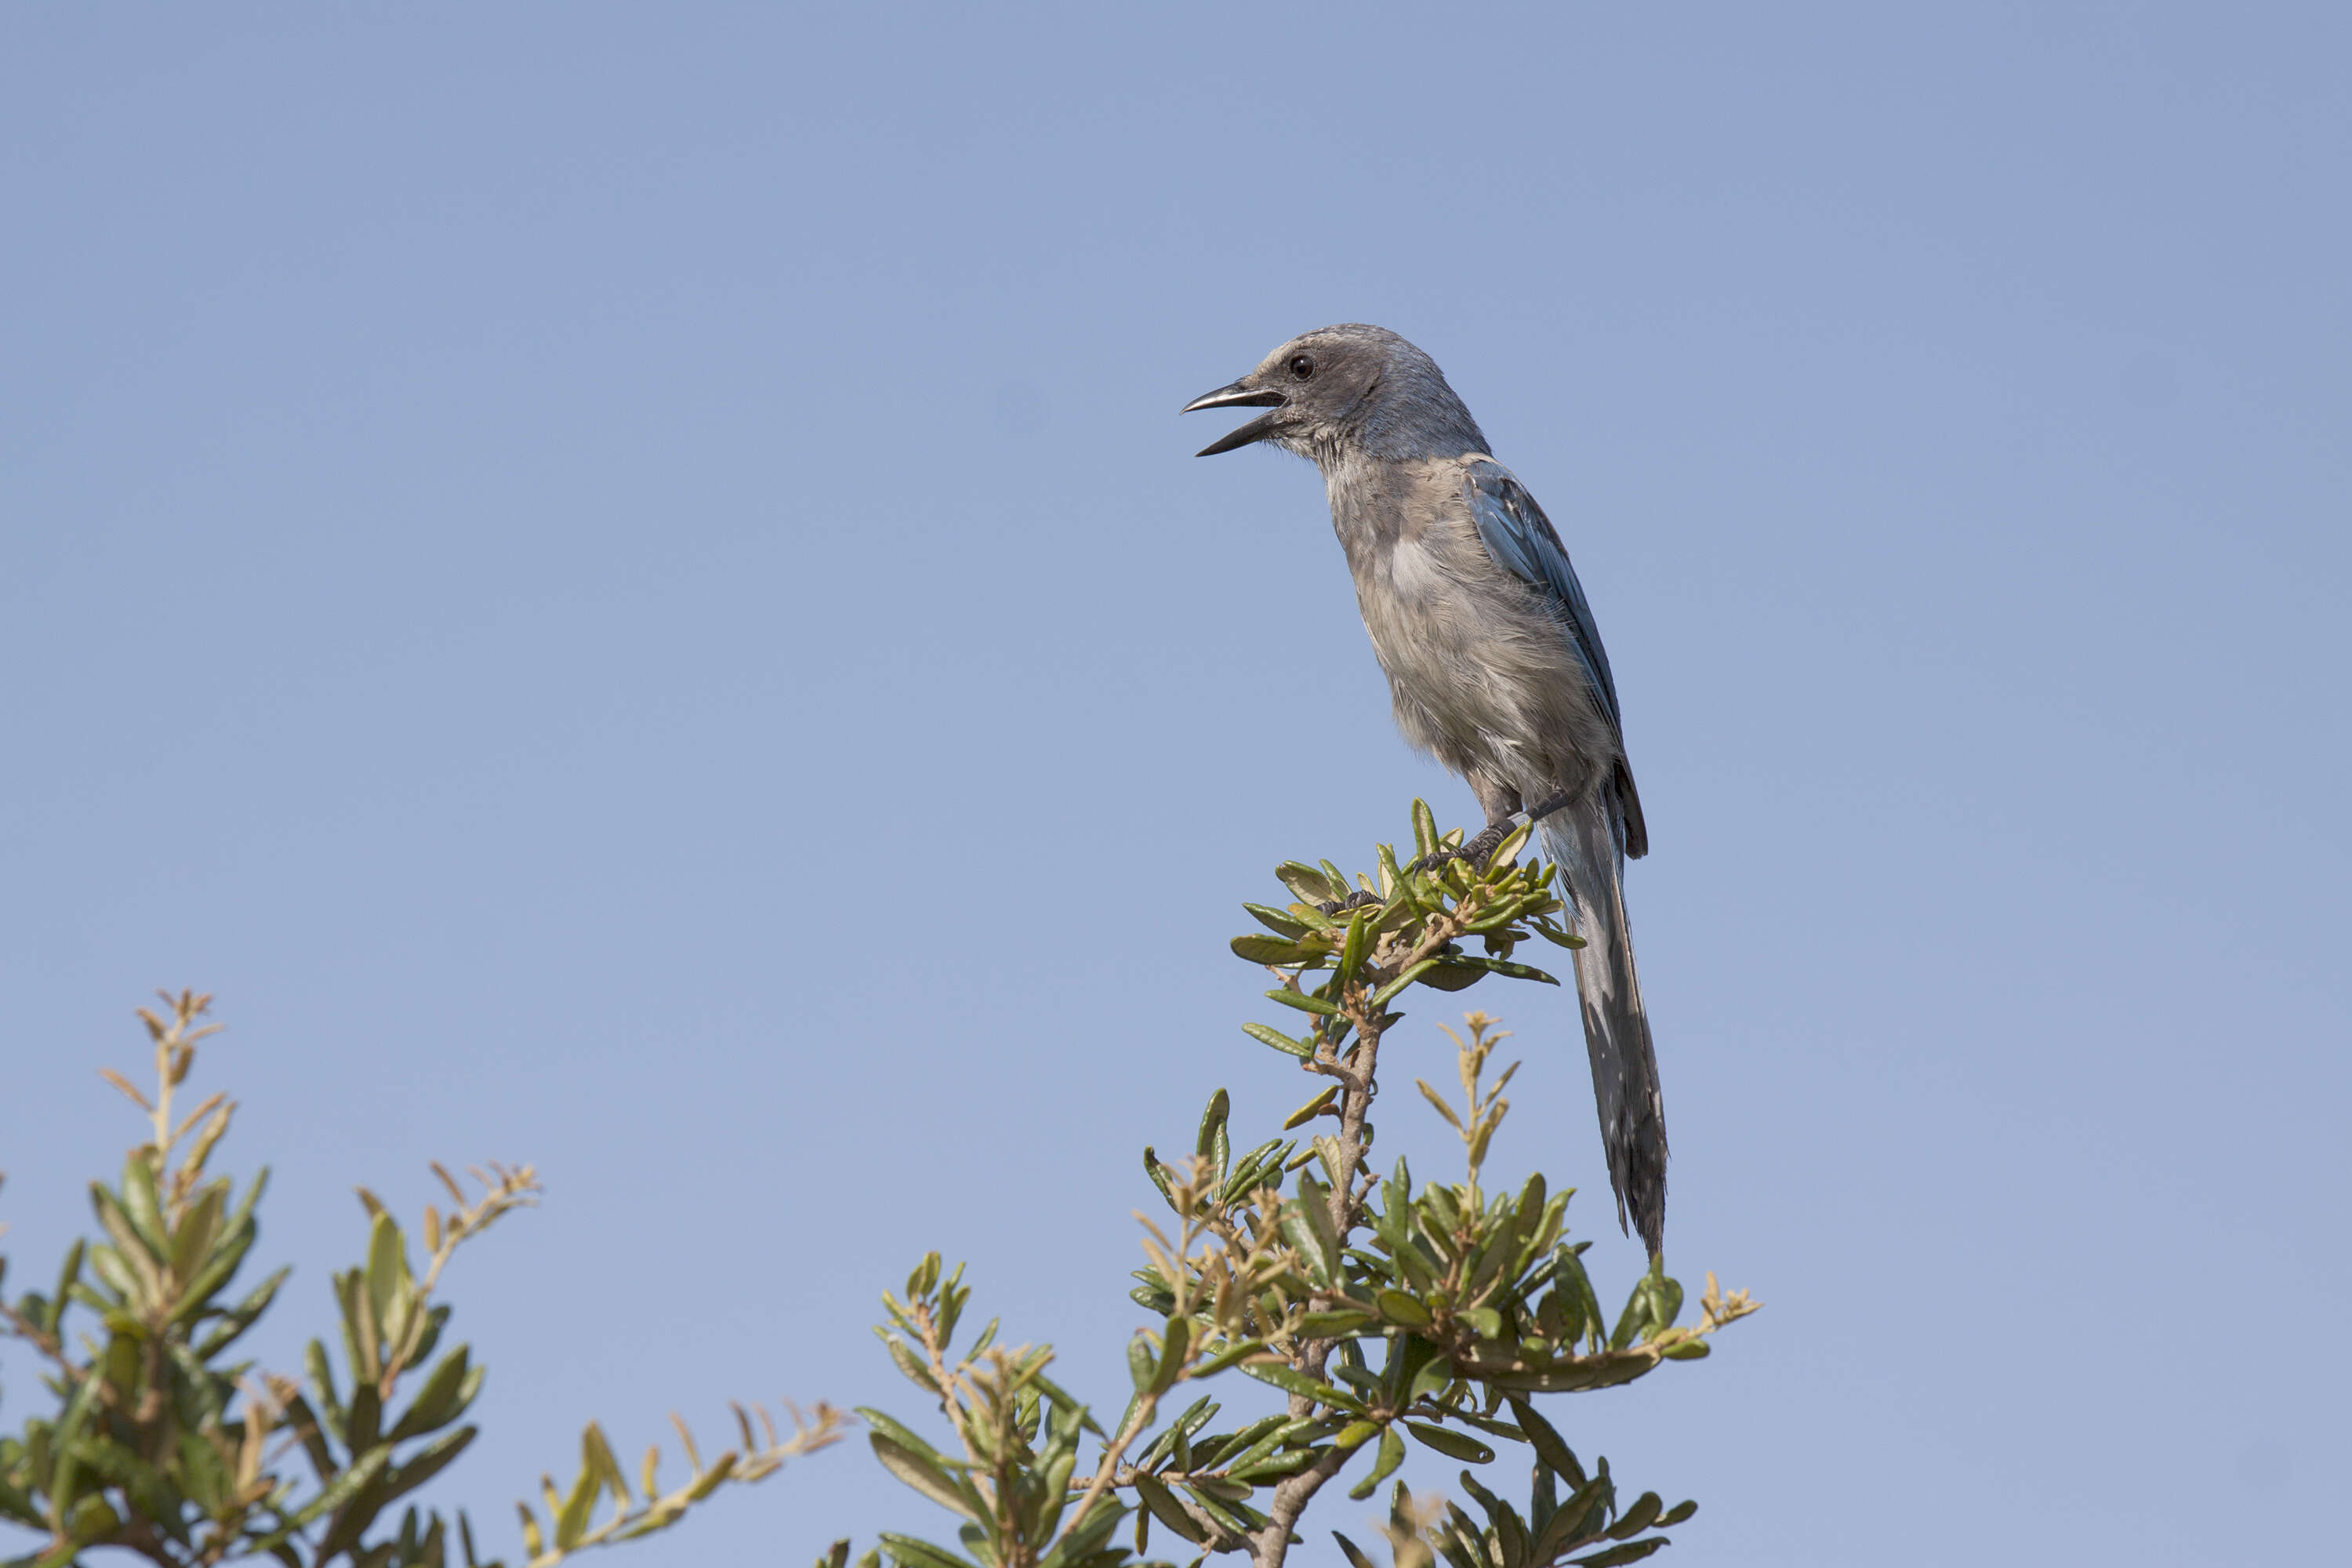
(1495, 668)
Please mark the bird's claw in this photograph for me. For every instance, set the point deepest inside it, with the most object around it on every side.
(1474, 852)
(1358, 899)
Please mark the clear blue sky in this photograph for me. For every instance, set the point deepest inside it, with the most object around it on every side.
(525, 530)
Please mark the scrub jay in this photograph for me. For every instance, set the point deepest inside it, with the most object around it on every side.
(1494, 663)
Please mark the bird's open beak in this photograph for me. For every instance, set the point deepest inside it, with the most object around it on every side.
(1240, 394)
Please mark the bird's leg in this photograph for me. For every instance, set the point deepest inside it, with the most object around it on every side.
(1548, 805)
(1500, 802)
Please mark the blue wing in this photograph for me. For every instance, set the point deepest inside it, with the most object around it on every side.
(1521, 541)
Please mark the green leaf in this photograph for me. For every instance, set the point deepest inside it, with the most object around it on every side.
(1195, 1416)
(1359, 939)
(909, 1368)
(1212, 1142)
(1391, 1456)
(1633, 1318)
(1168, 1510)
(241, 1317)
(1665, 1296)
(1307, 1221)
(322, 1384)
(915, 1554)
(1309, 884)
(1453, 1445)
(1312, 1109)
(1398, 1307)
(1321, 1007)
(140, 1203)
(1396, 987)
(1159, 1177)
(69, 1275)
(387, 1267)
(137, 1272)
(1676, 1514)
(1230, 1355)
(1274, 950)
(1354, 1553)
(216, 1272)
(1632, 1551)
(608, 1469)
(1340, 1323)
(1409, 1355)
(1060, 1396)
(1271, 1433)
(93, 1520)
(199, 1228)
(364, 1417)
(152, 1497)
(1230, 1516)
(712, 1479)
(1569, 1271)
(332, 1496)
(1580, 1520)
(1424, 830)
(1280, 1041)
(875, 1421)
(1255, 1170)
(1500, 864)
(1082, 1543)
(1486, 1424)
(1438, 1101)
(1278, 922)
(426, 1462)
(1550, 1447)
(921, 1471)
(1292, 1381)
(1176, 1339)
(1643, 1514)
(440, 1401)
(1501, 966)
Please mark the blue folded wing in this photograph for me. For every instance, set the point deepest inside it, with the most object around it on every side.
(1522, 541)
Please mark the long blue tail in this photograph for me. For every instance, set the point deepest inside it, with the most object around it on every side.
(1587, 840)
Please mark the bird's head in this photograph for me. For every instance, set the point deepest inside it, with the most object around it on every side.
(1343, 388)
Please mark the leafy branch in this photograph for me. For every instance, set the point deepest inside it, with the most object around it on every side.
(1476, 1303)
(163, 1445)
(568, 1512)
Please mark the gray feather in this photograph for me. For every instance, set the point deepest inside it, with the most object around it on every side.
(1585, 841)
(1494, 662)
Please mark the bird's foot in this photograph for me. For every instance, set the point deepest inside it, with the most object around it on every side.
(1358, 899)
(1475, 851)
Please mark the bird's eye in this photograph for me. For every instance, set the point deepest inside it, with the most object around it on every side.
(1301, 366)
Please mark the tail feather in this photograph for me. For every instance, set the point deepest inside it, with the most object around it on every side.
(1587, 840)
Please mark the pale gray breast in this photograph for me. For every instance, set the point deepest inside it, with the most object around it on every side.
(1476, 666)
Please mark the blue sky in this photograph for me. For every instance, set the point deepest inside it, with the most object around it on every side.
(624, 584)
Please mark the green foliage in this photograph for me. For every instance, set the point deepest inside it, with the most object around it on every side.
(162, 1445)
(1387, 1314)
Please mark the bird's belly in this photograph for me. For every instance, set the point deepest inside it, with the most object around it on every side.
(1478, 678)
